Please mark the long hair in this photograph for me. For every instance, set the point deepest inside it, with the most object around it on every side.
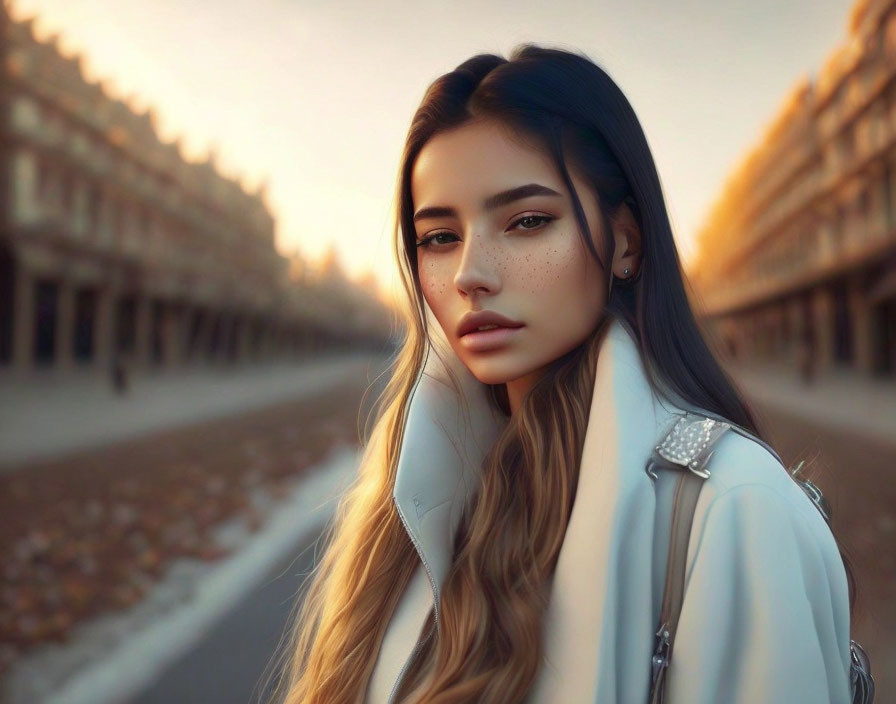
(488, 646)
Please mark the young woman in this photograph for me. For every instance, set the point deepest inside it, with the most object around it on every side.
(503, 541)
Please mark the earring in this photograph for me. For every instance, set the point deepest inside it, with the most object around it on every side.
(625, 271)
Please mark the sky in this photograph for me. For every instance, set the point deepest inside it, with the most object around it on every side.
(315, 98)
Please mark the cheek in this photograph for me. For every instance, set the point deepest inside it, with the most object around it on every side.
(436, 284)
(566, 273)
(548, 267)
(434, 279)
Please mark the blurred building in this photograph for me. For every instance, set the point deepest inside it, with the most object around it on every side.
(798, 255)
(114, 246)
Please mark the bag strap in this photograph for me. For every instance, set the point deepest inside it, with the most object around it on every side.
(686, 493)
(687, 445)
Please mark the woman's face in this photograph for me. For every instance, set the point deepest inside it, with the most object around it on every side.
(520, 257)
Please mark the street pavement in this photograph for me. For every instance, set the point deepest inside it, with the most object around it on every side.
(236, 661)
(51, 414)
(842, 398)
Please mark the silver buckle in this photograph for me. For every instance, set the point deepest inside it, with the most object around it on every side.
(686, 442)
(860, 674)
(660, 658)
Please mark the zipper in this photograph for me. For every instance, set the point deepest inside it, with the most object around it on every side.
(435, 607)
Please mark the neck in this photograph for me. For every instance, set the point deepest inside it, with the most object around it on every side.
(518, 388)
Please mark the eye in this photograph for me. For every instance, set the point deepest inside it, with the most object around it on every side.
(429, 238)
(543, 220)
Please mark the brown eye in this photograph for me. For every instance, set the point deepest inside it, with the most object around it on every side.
(545, 218)
(425, 242)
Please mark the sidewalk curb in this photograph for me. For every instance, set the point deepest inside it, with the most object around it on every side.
(138, 661)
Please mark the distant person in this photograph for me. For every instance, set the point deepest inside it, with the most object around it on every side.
(119, 375)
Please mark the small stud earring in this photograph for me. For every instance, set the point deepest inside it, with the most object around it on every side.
(625, 271)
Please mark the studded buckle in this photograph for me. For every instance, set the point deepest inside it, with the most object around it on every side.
(688, 444)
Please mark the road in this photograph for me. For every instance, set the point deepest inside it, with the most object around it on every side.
(233, 662)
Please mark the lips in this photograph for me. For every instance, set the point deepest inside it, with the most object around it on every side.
(489, 340)
(472, 321)
(487, 328)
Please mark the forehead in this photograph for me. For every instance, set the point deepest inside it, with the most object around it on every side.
(475, 160)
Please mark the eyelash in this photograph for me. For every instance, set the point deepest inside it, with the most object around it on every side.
(425, 242)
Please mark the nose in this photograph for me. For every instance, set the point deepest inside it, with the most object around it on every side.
(476, 270)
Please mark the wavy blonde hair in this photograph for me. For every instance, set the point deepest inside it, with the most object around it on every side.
(488, 646)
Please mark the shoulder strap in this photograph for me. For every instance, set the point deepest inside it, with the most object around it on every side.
(686, 494)
(687, 446)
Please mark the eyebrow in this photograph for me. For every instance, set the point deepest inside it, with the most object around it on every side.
(490, 203)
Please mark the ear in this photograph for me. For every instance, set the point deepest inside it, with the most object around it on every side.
(627, 236)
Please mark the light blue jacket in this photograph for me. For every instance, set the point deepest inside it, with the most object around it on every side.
(765, 617)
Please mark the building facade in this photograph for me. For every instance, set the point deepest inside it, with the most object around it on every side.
(797, 259)
(114, 247)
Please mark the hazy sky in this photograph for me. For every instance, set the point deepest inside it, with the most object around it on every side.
(316, 97)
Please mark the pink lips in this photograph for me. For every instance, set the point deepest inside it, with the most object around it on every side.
(488, 339)
(475, 319)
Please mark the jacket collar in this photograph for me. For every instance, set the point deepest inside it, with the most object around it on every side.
(446, 438)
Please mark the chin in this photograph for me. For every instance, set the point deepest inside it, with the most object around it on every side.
(490, 378)
(495, 370)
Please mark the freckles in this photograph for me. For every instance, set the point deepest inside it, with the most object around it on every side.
(545, 270)
(432, 280)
